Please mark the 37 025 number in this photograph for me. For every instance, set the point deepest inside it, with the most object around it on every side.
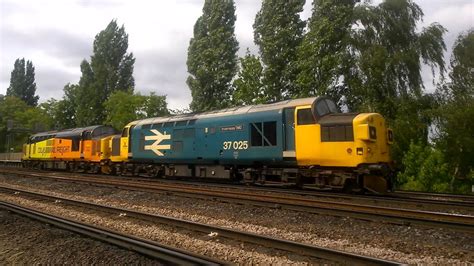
(236, 145)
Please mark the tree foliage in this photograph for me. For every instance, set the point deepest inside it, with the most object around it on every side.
(455, 113)
(88, 104)
(212, 59)
(62, 112)
(278, 31)
(18, 120)
(22, 82)
(389, 53)
(248, 86)
(155, 105)
(425, 170)
(110, 69)
(124, 107)
(323, 54)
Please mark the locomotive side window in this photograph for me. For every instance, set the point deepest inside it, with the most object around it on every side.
(75, 144)
(255, 134)
(263, 134)
(269, 132)
(125, 132)
(305, 117)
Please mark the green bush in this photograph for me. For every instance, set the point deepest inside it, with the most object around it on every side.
(426, 170)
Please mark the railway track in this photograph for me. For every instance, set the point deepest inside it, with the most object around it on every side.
(276, 243)
(162, 253)
(297, 203)
(463, 204)
(438, 196)
(400, 198)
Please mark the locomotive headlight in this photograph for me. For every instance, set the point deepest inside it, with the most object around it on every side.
(372, 132)
(366, 132)
(389, 136)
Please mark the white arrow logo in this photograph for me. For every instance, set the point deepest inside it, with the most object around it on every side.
(158, 138)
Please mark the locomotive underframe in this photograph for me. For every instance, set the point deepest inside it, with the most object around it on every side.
(376, 178)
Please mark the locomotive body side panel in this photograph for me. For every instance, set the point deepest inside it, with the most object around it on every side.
(42, 150)
(229, 140)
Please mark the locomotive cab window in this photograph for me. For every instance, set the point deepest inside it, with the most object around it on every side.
(323, 106)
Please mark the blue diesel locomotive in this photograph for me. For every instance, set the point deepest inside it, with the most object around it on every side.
(304, 142)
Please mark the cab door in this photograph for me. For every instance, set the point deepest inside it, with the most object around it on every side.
(289, 128)
(306, 136)
(126, 143)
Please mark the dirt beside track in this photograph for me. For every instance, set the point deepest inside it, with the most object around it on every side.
(408, 244)
(24, 241)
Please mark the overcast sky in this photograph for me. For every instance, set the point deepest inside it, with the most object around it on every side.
(57, 34)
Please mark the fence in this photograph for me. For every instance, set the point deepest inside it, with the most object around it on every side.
(11, 156)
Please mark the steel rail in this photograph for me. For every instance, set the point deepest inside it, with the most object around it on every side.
(400, 197)
(163, 253)
(282, 244)
(469, 199)
(390, 198)
(370, 212)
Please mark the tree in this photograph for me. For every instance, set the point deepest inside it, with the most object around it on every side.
(425, 170)
(18, 120)
(110, 69)
(124, 106)
(88, 98)
(61, 112)
(155, 105)
(411, 124)
(323, 53)
(22, 82)
(212, 59)
(388, 53)
(66, 109)
(456, 110)
(278, 31)
(248, 86)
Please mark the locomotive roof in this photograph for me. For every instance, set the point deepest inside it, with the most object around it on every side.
(42, 134)
(76, 131)
(229, 111)
(71, 132)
